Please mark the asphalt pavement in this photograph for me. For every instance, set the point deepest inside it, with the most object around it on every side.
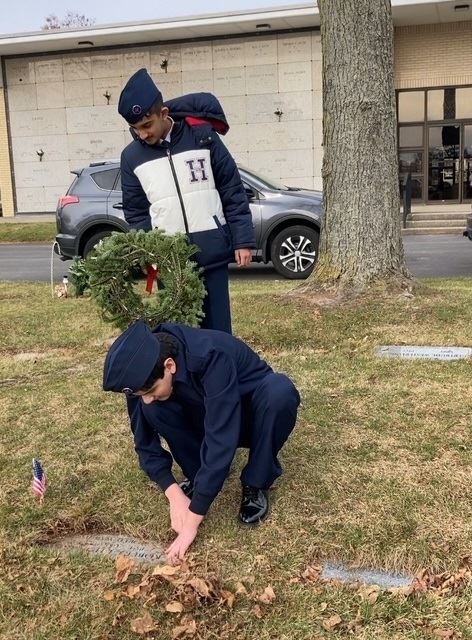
(432, 256)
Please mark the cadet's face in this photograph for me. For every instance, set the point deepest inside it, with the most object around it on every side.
(154, 127)
(162, 389)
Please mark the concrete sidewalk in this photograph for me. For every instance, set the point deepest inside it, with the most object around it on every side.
(28, 217)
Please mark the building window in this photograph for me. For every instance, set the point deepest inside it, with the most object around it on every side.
(450, 104)
(464, 103)
(410, 136)
(411, 106)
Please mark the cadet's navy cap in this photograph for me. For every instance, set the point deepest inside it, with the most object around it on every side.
(138, 96)
(131, 359)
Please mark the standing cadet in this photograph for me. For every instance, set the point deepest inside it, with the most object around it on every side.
(206, 393)
(178, 176)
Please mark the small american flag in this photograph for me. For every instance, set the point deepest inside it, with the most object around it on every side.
(39, 480)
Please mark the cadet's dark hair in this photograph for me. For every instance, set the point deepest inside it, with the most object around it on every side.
(156, 107)
(169, 349)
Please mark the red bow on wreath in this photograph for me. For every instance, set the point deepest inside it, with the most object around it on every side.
(152, 276)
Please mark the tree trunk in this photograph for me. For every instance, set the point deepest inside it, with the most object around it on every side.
(361, 239)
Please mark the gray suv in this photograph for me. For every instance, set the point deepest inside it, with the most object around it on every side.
(287, 220)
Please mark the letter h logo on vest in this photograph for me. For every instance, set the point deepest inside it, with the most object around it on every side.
(197, 173)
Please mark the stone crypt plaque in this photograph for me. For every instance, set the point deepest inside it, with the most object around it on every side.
(112, 546)
(412, 352)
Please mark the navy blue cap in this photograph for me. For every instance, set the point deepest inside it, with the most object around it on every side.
(131, 359)
(138, 96)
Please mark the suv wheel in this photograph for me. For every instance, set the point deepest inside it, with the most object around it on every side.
(93, 240)
(294, 251)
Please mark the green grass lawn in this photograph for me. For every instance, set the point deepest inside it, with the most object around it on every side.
(377, 474)
(27, 232)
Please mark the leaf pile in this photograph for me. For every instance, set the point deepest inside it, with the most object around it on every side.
(179, 592)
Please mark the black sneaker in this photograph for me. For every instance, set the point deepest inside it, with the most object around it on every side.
(187, 488)
(254, 505)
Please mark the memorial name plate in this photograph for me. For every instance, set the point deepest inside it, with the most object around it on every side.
(50, 95)
(29, 200)
(260, 51)
(107, 66)
(78, 93)
(22, 97)
(294, 49)
(169, 83)
(134, 60)
(198, 80)
(112, 546)
(295, 76)
(383, 579)
(170, 53)
(262, 79)
(197, 57)
(230, 81)
(228, 54)
(412, 352)
(49, 70)
(19, 72)
(77, 68)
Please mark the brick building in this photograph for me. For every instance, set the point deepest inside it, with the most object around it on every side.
(58, 95)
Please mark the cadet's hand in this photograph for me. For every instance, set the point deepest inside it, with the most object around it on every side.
(178, 502)
(243, 257)
(187, 535)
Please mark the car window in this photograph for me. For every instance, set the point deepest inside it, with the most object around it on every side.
(105, 179)
(117, 186)
(250, 188)
(267, 182)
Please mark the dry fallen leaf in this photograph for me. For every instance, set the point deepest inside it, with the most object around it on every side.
(370, 594)
(189, 628)
(200, 586)
(257, 611)
(143, 625)
(108, 595)
(228, 598)
(132, 591)
(124, 566)
(323, 606)
(443, 633)
(268, 596)
(312, 574)
(332, 623)
(166, 570)
(174, 607)
(241, 589)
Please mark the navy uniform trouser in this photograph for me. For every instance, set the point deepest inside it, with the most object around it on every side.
(268, 417)
(216, 305)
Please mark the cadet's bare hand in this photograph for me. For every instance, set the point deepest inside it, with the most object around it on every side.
(243, 257)
(177, 550)
(178, 503)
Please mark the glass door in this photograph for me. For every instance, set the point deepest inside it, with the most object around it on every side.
(467, 163)
(444, 163)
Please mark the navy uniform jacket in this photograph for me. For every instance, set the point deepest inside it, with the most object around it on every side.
(214, 370)
(190, 185)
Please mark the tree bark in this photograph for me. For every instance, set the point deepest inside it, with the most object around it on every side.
(361, 239)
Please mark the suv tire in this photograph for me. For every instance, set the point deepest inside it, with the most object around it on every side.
(93, 240)
(294, 251)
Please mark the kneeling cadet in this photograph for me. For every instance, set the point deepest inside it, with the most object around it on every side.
(205, 393)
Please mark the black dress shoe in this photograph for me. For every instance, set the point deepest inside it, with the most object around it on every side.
(187, 487)
(254, 505)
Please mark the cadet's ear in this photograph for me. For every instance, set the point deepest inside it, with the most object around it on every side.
(164, 112)
(170, 366)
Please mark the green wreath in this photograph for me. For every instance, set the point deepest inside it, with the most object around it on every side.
(112, 268)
